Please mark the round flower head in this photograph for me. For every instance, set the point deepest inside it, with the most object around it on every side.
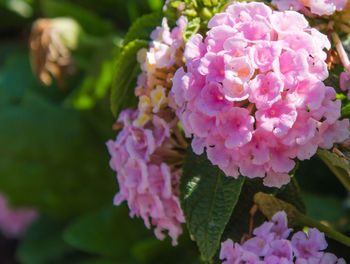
(252, 92)
(318, 7)
(270, 245)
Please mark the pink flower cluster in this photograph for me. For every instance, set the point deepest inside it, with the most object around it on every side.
(146, 182)
(318, 7)
(14, 222)
(253, 95)
(270, 245)
(149, 150)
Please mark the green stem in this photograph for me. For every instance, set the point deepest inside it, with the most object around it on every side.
(344, 178)
(304, 220)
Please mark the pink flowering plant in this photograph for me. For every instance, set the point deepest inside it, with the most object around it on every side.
(175, 131)
(221, 108)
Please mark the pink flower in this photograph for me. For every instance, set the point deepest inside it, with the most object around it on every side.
(278, 118)
(15, 222)
(264, 53)
(236, 125)
(310, 246)
(211, 100)
(212, 66)
(267, 89)
(252, 92)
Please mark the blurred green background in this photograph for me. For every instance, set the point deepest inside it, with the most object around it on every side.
(53, 154)
(52, 142)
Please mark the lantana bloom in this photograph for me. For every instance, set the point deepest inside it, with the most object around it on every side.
(252, 92)
(14, 222)
(318, 7)
(271, 245)
(149, 150)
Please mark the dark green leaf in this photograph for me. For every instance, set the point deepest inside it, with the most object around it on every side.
(291, 193)
(207, 198)
(43, 243)
(240, 219)
(109, 232)
(142, 27)
(122, 94)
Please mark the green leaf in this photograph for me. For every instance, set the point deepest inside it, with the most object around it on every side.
(143, 26)
(122, 94)
(240, 219)
(207, 198)
(43, 242)
(108, 232)
(338, 165)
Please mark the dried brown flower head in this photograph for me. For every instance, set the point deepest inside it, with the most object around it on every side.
(50, 56)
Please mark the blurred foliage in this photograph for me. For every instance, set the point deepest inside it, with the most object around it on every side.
(53, 138)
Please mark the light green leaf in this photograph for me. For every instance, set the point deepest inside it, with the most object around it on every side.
(207, 198)
(122, 94)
